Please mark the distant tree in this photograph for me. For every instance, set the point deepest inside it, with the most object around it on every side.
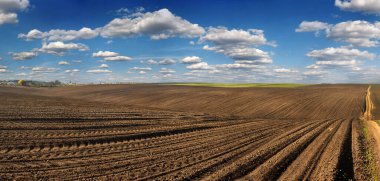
(21, 83)
(57, 82)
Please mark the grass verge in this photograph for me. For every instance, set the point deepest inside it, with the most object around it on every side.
(369, 153)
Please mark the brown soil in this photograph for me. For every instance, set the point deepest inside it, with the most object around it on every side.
(375, 98)
(146, 132)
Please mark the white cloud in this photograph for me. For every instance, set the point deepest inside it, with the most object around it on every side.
(192, 59)
(313, 66)
(221, 36)
(44, 69)
(142, 72)
(32, 35)
(200, 66)
(167, 71)
(59, 48)
(284, 70)
(60, 35)
(366, 6)
(141, 68)
(356, 33)
(240, 66)
(105, 54)
(103, 66)
(23, 55)
(151, 62)
(339, 58)
(8, 18)
(314, 73)
(63, 63)
(161, 24)
(8, 9)
(307, 26)
(3, 69)
(248, 55)
(72, 71)
(337, 63)
(99, 71)
(118, 58)
(238, 44)
(167, 61)
(340, 54)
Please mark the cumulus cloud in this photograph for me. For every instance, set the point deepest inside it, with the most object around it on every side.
(103, 66)
(284, 70)
(313, 66)
(44, 69)
(341, 57)
(118, 58)
(239, 45)
(200, 66)
(8, 9)
(340, 54)
(32, 35)
(308, 26)
(111, 56)
(239, 66)
(3, 69)
(99, 71)
(167, 61)
(151, 62)
(72, 71)
(221, 36)
(356, 33)
(365, 6)
(167, 71)
(190, 60)
(63, 63)
(23, 55)
(60, 35)
(141, 68)
(105, 54)
(59, 48)
(161, 24)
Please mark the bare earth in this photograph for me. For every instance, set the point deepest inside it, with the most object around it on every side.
(146, 132)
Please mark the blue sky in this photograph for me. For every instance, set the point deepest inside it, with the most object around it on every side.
(92, 41)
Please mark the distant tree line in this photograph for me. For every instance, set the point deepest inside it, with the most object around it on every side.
(31, 83)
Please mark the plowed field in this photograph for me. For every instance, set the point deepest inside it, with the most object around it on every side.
(157, 132)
